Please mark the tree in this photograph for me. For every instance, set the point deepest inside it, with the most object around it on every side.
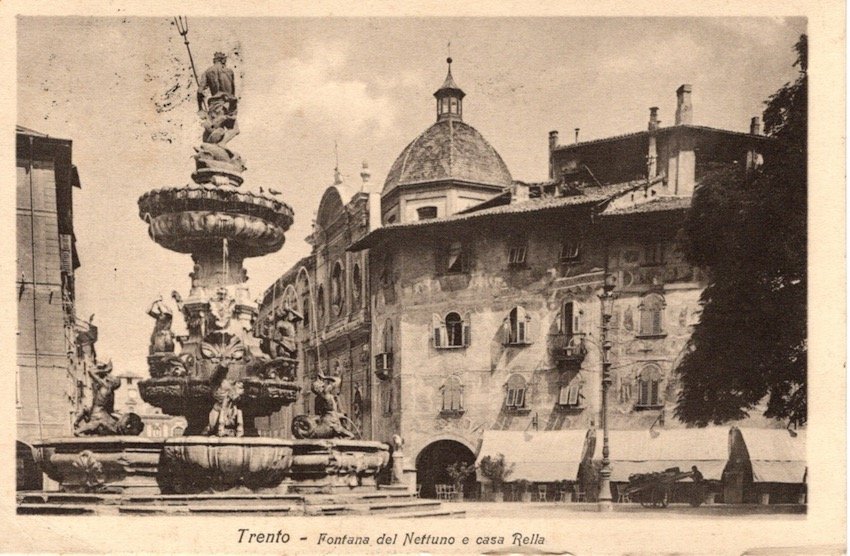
(748, 230)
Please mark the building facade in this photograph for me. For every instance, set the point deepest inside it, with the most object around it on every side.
(50, 376)
(330, 292)
(483, 312)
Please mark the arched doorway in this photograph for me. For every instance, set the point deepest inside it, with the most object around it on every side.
(433, 461)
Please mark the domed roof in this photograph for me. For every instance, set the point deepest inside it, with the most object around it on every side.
(448, 150)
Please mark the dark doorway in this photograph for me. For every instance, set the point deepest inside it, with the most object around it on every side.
(431, 467)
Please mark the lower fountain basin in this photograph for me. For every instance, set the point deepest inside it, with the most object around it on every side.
(194, 464)
(119, 464)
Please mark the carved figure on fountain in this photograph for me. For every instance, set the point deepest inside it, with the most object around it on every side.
(100, 419)
(162, 337)
(221, 309)
(329, 422)
(226, 417)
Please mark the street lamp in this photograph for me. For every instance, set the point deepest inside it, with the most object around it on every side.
(607, 302)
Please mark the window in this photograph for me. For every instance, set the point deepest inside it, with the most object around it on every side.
(651, 315)
(455, 259)
(336, 289)
(387, 399)
(516, 392)
(571, 319)
(177, 431)
(387, 338)
(426, 213)
(569, 251)
(654, 253)
(649, 381)
(320, 305)
(451, 331)
(569, 391)
(356, 287)
(516, 255)
(452, 391)
(517, 327)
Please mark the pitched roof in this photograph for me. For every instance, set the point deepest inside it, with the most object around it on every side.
(590, 196)
(662, 131)
(657, 204)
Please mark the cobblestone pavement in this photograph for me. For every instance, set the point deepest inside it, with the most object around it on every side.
(553, 509)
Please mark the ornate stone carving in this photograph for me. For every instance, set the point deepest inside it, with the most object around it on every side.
(162, 338)
(221, 309)
(330, 421)
(101, 419)
(226, 417)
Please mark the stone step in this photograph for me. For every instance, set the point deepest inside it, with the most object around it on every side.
(395, 506)
(263, 508)
(442, 512)
(65, 498)
(153, 510)
(54, 509)
(214, 497)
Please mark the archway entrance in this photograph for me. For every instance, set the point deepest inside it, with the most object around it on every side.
(432, 464)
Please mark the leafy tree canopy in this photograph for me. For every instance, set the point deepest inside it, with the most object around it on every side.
(749, 231)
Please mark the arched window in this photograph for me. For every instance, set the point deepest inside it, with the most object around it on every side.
(515, 395)
(452, 391)
(651, 315)
(336, 289)
(320, 305)
(177, 431)
(388, 396)
(387, 338)
(356, 287)
(517, 327)
(571, 319)
(649, 386)
(451, 331)
(455, 259)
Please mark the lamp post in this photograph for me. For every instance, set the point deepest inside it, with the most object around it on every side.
(607, 302)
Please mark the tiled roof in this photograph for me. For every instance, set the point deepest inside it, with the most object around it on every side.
(448, 150)
(662, 130)
(27, 131)
(590, 196)
(655, 205)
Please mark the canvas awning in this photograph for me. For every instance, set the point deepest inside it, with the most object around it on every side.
(640, 451)
(775, 455)
(539, 456)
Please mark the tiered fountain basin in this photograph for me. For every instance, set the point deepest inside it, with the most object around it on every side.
(188, 219)
(198, 464)
(192, 397)
(116, 464)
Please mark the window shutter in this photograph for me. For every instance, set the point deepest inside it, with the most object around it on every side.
(656, 321)
(564, 395)
(520, 332)
(506, 331)
(573, 400)
(654, 393)
(467, 332)
(438, 328)
(509, 398)
(520, 397)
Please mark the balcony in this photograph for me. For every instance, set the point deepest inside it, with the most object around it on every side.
(568, 350)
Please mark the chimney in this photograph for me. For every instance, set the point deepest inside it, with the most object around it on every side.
(755, 126)
(684, 109)
(653, 118)
(553, 142)
(577, 130)
(652, 149)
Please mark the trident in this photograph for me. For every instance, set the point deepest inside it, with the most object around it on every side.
(182, 24)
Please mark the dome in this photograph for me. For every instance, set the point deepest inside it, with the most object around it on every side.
(448, 150)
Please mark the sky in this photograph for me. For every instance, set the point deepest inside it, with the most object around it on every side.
(122, 90)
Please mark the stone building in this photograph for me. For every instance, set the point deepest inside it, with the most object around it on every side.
(50, 376)
(483, 311)
(329, 290)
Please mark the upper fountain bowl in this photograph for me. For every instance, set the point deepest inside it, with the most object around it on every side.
(188, 219)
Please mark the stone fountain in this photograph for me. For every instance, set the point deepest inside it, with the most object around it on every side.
(228, 369)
